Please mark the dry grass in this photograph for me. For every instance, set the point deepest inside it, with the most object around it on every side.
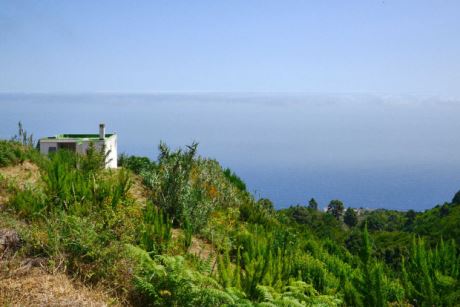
(23, 285)
(24, 174)
(21, 175)
(29, 283)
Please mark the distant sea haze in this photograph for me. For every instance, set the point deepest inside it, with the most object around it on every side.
(371, 151)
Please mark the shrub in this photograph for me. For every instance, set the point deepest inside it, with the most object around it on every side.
(260, 212)
(172, 190)
(11, 153)
(138, 165)
(235, 180)
(155, 232)
(93, 161)
(29, 203)
(18, 149)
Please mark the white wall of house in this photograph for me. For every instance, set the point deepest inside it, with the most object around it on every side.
(111, 148)
(45, 147)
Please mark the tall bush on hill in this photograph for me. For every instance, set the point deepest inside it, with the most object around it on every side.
(182, 188)
(170, 184)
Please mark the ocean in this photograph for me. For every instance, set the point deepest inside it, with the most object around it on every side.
(373, 151)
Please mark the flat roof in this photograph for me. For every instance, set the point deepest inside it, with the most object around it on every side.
(76, 136)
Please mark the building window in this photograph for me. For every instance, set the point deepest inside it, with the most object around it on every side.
(51, 149)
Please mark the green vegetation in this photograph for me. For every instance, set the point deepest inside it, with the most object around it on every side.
(350, 218)
(335, 208)
(312, 204)
(234, 179)
(11, 153)
(18, 149)
(86, 221)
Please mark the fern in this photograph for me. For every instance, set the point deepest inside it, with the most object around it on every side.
(170, 281)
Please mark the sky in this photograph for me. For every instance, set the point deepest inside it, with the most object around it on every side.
(230, 46)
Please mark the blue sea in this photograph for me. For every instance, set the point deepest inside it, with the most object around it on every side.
(372, 151)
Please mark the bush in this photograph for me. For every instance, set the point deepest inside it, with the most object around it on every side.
(18, 149)
(11, 153)
(260, 212)
(138, 165)
(182, 188)
(29, 203)
(235, 180)
(172, 191)
(155, 232)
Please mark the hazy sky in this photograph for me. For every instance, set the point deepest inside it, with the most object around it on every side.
(225, 46)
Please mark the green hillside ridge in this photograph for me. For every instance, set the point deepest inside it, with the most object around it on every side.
(91, 224)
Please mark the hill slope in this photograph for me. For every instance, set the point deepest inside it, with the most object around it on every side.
(183, 231)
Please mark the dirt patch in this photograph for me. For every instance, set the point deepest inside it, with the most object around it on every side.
(9, 241)
(138, 191)
(3, 200)
(32, 286)
(199, 247)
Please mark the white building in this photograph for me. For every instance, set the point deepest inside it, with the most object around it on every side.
(80, 143)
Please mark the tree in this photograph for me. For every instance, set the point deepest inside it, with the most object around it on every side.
(456, 199)
(375, 222)
(350, 218)
(312, 204)
(444, 210)
(410, 218)
(335, 208)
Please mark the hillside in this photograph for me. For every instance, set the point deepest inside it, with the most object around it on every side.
(183, 231)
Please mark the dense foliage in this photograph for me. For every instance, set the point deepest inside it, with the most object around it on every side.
(85, 219)
(11, 153)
